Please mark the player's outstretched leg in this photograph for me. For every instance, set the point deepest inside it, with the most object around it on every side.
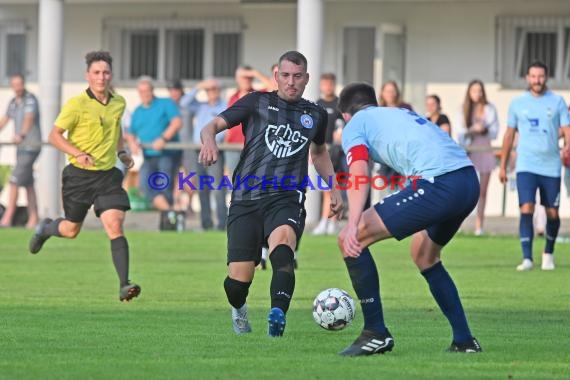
(281, 289)
(44, 230)
(237, 292)
(375, 338)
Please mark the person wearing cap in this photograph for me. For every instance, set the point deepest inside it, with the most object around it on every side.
(202, 112)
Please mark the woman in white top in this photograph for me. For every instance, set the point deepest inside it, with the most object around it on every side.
(478, 126)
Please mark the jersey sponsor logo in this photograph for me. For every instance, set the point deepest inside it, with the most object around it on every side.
(283, 141)
(272, 108)
(306, 121)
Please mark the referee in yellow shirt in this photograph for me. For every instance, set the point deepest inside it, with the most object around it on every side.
(92, 121)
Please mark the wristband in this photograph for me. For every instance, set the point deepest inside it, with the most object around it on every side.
(121, 152)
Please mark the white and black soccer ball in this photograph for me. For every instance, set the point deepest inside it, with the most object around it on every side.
(333, 309)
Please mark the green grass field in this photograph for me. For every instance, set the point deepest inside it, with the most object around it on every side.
(61, 319)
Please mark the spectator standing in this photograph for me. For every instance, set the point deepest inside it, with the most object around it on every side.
(390, 96)
(24, 110)
(433, 113)
(478, 126)
(203, 112)
(155, 122)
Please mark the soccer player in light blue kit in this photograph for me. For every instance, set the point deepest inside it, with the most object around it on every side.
(431, 209)
(539, 116)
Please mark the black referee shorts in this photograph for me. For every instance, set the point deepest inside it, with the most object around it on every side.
(82, 188)
(251, 222)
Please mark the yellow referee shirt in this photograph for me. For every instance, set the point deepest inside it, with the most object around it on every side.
(93, 127)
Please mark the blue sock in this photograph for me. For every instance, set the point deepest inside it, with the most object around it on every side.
(552, 227)
(526, 233)
(445, 293)
(366, 284)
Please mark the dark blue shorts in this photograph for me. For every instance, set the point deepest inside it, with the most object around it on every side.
(549, 187)
(438, 206)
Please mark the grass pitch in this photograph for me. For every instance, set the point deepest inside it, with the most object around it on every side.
(60, 317)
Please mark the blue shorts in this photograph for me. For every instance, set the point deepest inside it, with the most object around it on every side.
(438, 206)
(167, 164)
(549, 187)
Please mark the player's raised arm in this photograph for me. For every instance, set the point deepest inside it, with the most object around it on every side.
(210, 152)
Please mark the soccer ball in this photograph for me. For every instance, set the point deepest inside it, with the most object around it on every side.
(333, 309)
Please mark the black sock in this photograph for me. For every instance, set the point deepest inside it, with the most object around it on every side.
(120, 253)
(52, 229)
(236, 291)
(283, 278)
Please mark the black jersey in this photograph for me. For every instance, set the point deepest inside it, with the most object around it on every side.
(277, 139)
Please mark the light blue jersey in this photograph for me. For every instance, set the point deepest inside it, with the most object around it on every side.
(538, 120)
(406, 142)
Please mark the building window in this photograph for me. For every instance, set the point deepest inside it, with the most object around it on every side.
(226, 53)
(141, 52)
(174, 49)
(13, 50)
(522, 40)
(185, 54)
(16, 54)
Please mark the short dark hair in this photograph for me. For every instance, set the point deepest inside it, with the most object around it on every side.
(328, 76)
(538, 64)
(100, 55)
(356, 96)
(436, 98)
(295, 57)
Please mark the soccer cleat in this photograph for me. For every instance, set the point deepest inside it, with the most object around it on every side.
(469, 347)
(525, 265)
(547, 261)
(276, 319)
(38, 238)
(128, 292)
(239, 320)
(370, 343)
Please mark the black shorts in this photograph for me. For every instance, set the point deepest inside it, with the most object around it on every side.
(251, 222)
(82, 188)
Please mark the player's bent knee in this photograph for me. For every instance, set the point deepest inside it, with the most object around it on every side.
(236, 291)
(282, 258)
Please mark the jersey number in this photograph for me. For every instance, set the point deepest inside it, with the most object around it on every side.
(417, 118)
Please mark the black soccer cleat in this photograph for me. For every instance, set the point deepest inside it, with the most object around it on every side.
(370, 343)
(39, 238)
(472, 346)
(128, 292)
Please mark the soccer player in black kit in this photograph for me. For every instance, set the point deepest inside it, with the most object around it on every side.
(267, 204)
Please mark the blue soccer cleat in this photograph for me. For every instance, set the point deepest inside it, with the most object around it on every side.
(276, 319)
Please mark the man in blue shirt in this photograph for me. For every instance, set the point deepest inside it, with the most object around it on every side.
(539, 116)
(155, 122)
(443, 191)
(204, 112)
